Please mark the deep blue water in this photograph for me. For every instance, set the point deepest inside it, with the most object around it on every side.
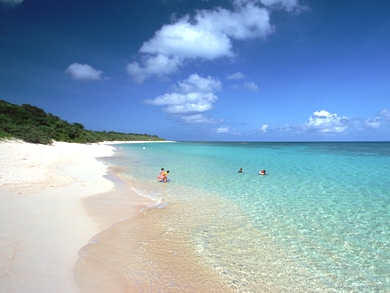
(318, 221)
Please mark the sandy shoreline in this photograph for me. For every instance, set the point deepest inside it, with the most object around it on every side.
(54, 199)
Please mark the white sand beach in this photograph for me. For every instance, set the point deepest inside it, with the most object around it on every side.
(44, 192)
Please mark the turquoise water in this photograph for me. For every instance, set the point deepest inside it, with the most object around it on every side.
(319, 221)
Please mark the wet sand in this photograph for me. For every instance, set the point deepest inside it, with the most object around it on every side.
(44, 192)
(69, 223)
(142, 254)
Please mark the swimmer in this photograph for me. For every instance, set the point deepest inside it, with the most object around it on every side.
(160, 176)
(165, 176)
(262, 172)
(240, 171)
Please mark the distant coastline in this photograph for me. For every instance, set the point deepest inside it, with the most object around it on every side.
(34, 125)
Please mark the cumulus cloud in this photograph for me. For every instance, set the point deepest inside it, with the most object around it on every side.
(237, 75)
(251, 86)
(200, 119)
(263, 128)
(384, 114)
(11, 2)
(196, 83)
(159, 65)
(326, 122)
(288, 5)
(190, 99)
(83, 72)
(194, 95)
(373, 122)
(189, 103)
(222, 130)
(382, 118)
(206, 36)
(186, 40)
(180, 99)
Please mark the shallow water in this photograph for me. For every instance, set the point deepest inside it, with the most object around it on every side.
(318, 222)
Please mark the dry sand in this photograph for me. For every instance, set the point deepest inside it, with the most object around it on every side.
(44, 192)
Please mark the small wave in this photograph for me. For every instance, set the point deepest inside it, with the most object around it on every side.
(154, 196)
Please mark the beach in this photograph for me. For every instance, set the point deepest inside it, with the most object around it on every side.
(304, 227)
(93, 218)
(54, 199)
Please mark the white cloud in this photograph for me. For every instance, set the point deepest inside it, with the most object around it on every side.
(196, 102)
(186, 40)
(200, 119)
(237, 75)
(246, 21)
(181, 99)
(11, 2)
(206, 36)
(373, 122)
(159, 65)
(325, 122)
(222, 130)
(196, 83)
(251, 86)
(384, 114)
(289, 128)
(383, 118)
(247, 85)
(189, 108)
(193, 95)
(288, 5)
(83, 72)
(263, 128)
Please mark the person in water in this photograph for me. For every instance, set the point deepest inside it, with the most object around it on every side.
(240, 171)
(165, 176)
(262, 172)
(160, 176)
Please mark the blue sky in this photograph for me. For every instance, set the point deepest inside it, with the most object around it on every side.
(188, 70)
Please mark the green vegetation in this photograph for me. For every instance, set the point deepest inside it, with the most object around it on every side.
(34, 125)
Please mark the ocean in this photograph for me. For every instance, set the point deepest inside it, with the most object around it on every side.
(319, 221)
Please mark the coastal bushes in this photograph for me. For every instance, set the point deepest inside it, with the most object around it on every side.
(34, 125)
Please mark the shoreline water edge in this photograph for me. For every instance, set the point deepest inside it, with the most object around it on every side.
(93, 218)
(305, 227)
(140, 253)
(54, 199)
(168, 247)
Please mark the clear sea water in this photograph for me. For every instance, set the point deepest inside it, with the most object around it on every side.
(319, 221)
